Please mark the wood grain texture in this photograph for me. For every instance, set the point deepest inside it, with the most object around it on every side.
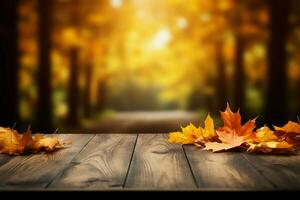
(36, 171)
(227, 170)
(282, 171)
(103, 163)
(156, 164)
(4, 158)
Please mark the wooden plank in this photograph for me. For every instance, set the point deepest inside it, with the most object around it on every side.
(4, 158)
(159, 165)
(226, 170)
(36, 171)
(103, 163)
(283, 171)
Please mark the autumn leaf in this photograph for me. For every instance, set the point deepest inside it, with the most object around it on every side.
(290, 133)
(209, 128)
(11, 142)
(271, 146)
(49, 144)
(191, 134)
(188, 135)
(233, 134)
(265, 134)
(265, 141)
(233, 125)
(27, 141)
(229, 140)
(290, 127)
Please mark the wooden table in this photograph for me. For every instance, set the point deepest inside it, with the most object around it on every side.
(145, 162)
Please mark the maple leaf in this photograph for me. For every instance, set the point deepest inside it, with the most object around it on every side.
(233, 125)
(233, 134)
(228, 140)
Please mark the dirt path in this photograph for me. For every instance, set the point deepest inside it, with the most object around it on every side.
(144, 122)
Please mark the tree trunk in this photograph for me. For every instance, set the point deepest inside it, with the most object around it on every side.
(101, 92)
(44, 106)
(73, 93)
(298, 99)
(275, 112)
(239, 76)
(87, 91)
(221, 86)
(8, 63)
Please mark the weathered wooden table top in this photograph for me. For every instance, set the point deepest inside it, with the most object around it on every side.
(145, 162)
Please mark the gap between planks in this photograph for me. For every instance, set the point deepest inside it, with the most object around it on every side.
(94, 135)
(159, 165)
(102, 164)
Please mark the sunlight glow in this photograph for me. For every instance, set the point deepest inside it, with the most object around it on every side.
(160, 39)
(116, 3)
(182, 23)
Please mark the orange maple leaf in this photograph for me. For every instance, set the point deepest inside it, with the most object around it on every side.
(233, 124)
(228, 140)
(233, 134)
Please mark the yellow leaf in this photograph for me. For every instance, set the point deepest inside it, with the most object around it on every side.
(178, 137)
(264, 134)
(188, 135)
(290, 127)
(192, 131)
(277, 145)
(270, 146)
(209, 130)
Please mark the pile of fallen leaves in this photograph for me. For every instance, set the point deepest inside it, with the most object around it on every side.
(234, 135)
(11, 142)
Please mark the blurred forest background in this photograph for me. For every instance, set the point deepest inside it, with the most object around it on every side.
(79, 64)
